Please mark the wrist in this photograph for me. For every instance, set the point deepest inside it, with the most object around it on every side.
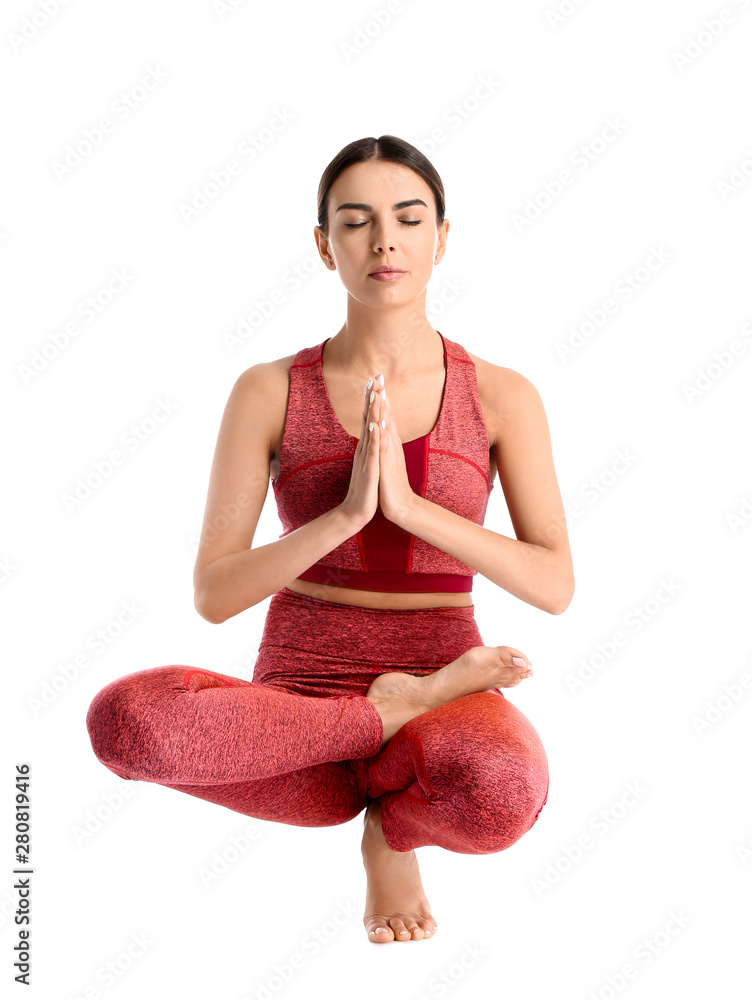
(352, 524)
(405, 512)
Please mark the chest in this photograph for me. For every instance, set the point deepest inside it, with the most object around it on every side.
(415, 405)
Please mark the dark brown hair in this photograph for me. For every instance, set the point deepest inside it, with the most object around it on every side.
(386, 147)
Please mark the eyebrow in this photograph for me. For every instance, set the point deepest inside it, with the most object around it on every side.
(395, 208)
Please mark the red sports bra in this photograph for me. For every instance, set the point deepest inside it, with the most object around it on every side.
(449, 466)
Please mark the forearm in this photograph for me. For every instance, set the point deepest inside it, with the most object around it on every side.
(239, 580)
(533, 573)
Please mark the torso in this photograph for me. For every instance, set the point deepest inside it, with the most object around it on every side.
(417, 418)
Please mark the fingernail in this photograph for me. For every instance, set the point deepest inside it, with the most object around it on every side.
(369, 383)
(383, 393)
(370, 426)
(383, 424)
(373, 395)
(381, 379)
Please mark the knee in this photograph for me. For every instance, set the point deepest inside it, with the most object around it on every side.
(107, 719)
(502, 796)
(120, 717)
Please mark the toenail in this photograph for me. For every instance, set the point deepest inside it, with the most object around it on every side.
(427, 933)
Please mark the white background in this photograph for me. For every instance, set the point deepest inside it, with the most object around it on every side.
(525, 922)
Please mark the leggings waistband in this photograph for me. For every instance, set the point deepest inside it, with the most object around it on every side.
(371, 635)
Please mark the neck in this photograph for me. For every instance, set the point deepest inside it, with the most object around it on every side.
(395, 341)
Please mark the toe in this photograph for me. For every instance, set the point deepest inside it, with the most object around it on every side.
(379, 930)
(401, 933)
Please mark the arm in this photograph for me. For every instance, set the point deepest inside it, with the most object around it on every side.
(229, 575)
(537, 565)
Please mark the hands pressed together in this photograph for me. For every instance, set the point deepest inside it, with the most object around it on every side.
(379, 474)
(379, 479)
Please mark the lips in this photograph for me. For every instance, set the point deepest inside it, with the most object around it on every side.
(388, 270)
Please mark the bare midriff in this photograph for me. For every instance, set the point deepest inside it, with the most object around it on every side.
(377, 598)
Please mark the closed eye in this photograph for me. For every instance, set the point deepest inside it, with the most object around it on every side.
(405, 222)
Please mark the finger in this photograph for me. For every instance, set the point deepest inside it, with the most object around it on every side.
(389, 417)
(366, 407)
(374, 427)
(379, 412)
(371, 403)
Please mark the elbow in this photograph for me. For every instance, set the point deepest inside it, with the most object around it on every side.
(204, 608)
(562, 601)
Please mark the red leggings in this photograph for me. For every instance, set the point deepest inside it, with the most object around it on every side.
(300, 743)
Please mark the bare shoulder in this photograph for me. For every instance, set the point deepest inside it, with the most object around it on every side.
(505, 394)
(267, 376)
(264, 389)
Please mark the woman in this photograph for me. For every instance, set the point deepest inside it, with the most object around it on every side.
(372, 687)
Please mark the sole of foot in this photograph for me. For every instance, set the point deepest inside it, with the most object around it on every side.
(399, 697)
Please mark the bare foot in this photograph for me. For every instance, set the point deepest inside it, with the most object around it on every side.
(396, 905)
(399, 697)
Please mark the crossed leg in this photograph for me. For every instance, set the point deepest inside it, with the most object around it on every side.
(470, 776)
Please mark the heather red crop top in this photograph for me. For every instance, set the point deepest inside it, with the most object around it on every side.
(449, 466)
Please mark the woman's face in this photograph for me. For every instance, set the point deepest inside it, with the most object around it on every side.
(367, 230)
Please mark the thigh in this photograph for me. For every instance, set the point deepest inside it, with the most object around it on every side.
(321, 795)
(477, 740)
